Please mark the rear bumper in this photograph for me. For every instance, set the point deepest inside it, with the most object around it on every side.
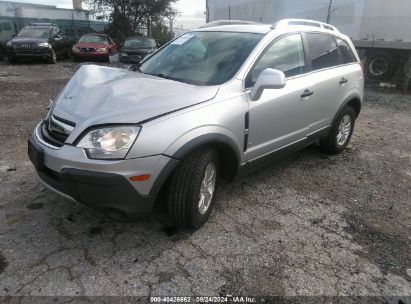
(102, 185)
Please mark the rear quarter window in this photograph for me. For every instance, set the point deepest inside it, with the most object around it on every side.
(346, 53)
(323, 51)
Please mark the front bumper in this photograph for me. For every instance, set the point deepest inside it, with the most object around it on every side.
(39, 52)
(91, 55)
(102, 185)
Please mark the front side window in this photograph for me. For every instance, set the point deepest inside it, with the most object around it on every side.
(286, 55)
(346, 54)
(323, 51)
(202, 58)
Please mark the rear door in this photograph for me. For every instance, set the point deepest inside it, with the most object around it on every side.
(330, 80)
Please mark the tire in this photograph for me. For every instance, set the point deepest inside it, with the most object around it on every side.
(185, 188)
(379, 67)
(337, 139)
(13, 60)
(68, 54)
(52, 58)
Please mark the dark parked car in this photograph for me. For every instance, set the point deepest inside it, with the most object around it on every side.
(135, 49)
(94, 46)
(2, 50)
(38, 40)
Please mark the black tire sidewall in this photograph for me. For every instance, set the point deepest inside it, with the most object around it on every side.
(199, 219)
(53, 57)
(347, 110)
(389, 68)
(185, 185)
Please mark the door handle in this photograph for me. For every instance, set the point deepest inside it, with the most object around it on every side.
(307, 93)
(343, 80)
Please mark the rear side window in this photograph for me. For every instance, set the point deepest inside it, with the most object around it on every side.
(6, 26)
(286, 55)
(323, 51)
(346, 54)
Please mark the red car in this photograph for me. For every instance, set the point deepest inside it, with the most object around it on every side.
(94, 46)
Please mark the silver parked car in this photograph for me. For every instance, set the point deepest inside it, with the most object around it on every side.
(213, 103)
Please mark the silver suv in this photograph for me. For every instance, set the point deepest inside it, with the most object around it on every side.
(213, 103)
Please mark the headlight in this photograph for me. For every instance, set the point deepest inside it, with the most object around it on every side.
(9, 44)
(102, 50)
(44, 44)
(109, 143)
(75, 49)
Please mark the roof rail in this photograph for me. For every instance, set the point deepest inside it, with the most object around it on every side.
(303, 22)
(227, 22)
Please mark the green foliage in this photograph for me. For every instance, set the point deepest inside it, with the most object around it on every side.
(128, 16)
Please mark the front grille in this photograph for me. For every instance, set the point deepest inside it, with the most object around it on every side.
(52, 131)
(24, 45)
(87, 49)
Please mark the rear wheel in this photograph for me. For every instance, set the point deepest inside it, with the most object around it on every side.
(379, 67)
(191, 193)
(341, 132)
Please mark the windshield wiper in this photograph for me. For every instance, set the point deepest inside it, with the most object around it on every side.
(135, 68)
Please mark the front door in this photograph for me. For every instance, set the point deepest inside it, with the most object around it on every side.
(278, 118)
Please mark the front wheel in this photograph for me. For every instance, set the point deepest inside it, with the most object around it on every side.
(341, 131)
(52, 58)
(192, 189)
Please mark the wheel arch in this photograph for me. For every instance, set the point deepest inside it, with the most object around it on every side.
(353, 100)
(227, 150)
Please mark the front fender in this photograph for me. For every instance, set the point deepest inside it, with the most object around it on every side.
(203, 136)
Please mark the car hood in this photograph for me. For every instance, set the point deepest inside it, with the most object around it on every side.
(28, 39)
(137, 51)
(99, 95)
(90, 45)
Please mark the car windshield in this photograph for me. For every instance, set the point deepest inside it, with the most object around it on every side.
(34, 32)
(202, 58)
(140, 42)
(91, 38)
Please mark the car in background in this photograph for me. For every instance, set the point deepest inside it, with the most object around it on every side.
(135, 49)
(2, 50)
(94, 46)
(38, 40)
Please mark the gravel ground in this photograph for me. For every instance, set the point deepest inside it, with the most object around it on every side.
(310, 224)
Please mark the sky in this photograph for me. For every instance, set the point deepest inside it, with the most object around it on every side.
(191, 12)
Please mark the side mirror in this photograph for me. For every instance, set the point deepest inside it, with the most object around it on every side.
(268, 79)
(13, 35)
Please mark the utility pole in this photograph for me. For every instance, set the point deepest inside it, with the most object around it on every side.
(329, 11)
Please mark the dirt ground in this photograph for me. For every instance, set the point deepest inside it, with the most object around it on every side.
(309, 225)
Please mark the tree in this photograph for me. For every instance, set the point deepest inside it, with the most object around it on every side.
(127, 17)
